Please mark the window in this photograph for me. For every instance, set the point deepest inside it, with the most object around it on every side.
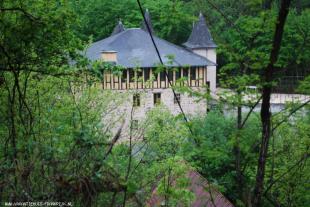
(146, 75)
(131, 75)
(134, 125)
(185, 72)
(178, 74)
(208, 84)
(136, 99)
(124, 76)
(139, 75)
(162, 76)
(193, 73)
(157, 98)
(170, 75)
(177, 98)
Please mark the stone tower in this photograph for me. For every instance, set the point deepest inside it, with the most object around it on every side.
(200, 42)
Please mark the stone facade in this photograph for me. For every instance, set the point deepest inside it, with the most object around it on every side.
(133, 112)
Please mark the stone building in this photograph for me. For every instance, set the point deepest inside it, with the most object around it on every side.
(194, 64)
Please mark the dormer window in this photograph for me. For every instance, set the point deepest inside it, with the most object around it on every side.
(162, 76)
(146, 74)
(178, 74)
(131, 75)
(109, 56)
(170, 75)
(193, 73)
(124, 76)
(185, 72)
(139, 75)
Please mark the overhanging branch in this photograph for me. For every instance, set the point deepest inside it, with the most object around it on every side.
(21, 10)
(289, 115)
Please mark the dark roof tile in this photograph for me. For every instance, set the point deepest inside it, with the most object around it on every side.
(135, 49)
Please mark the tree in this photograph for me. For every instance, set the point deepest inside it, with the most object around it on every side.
(57, 126)
(265, 109)
(48, 118)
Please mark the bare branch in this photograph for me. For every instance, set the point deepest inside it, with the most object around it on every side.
(250, 112)
(289, 115)
(114, 140)
(21, 10)
(303, 158)
(266, 94)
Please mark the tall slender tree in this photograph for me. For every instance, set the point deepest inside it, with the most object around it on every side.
(265, 109)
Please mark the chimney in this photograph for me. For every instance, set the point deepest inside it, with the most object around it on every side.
(109, 56)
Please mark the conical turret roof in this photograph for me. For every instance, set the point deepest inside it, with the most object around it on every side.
(148, 20)
(118, 28)
(200, 36)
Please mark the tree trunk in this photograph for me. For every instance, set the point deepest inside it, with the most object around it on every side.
(265, 109)
(13, 133)
(237, 149)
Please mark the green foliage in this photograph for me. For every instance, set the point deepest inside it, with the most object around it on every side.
(157, 160)
(38, 37)
(98, 18)
(288, 165)
(212, 155)
(66, 141)
(246, 48)
(304, 86)
(56, 124)
(174, 183)
(166, 132)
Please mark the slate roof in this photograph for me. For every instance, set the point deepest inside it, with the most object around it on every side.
(200, 36)
(135, 49)
(118, 28)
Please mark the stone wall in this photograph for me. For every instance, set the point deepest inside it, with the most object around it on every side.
(126, 112)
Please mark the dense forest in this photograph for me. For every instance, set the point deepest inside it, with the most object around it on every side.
(55, 137)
